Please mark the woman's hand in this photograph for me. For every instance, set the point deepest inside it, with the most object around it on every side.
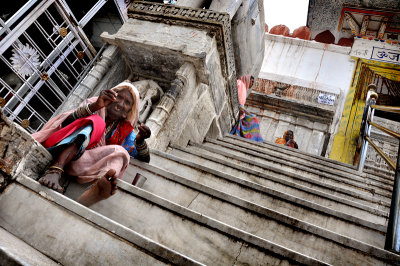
(105, 98)
(144, 133)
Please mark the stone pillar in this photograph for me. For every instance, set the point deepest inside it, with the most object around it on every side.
(164, 107)
(93, 78)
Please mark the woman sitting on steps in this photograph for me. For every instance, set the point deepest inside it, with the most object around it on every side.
(94, 142)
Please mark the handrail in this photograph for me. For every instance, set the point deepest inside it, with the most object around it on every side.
(386, 130)
(381, 153)
(392, 241)
(393, 109)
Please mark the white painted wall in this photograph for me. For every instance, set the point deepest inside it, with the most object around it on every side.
(307, 63)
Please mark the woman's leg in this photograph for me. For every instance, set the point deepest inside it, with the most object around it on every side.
(51, 178)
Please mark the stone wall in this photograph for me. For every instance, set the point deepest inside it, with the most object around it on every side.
(248, 28)
(165, 52)
(311, 125)
(19, 152)
(300, 72)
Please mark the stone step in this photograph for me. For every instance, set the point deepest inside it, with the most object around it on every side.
(325, 168)
(378, 173)
(305, 207)
(324, 177)
(363, 209)
(292, 152)
(272, 226)
(14, 251)
(251, 200)
(72, 234)
(270, 147)
(192, 233)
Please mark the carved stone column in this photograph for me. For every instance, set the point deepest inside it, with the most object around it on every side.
(167, 102)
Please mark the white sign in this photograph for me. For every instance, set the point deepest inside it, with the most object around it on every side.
(386, 55)
(326, 99)
(376, 50)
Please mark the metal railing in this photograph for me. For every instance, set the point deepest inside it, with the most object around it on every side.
(44, 53)
(392, 242)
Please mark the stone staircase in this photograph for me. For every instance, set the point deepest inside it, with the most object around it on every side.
(227, 201)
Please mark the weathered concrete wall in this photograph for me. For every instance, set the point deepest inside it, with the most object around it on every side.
(307, 63)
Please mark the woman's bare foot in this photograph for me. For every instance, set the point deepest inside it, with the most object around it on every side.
(51, 179)
(107, 185)
(102, 189)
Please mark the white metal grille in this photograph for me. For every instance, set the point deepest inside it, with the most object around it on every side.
(42, 58)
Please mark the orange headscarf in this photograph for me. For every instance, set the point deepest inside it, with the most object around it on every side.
(283, 140)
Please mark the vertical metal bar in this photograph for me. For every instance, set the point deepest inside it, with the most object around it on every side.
(365, 129)
(392, 241)
(63, 9)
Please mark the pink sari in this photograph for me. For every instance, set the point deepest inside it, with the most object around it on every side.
(95, 162)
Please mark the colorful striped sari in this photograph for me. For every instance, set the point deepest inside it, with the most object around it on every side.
(247, 127)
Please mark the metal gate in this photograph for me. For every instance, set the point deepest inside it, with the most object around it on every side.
(44, 54)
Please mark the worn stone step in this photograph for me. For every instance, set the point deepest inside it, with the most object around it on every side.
(261, 161)
(302, 237)
(372, 203)
(380, 174)
(189, 232)
(14, 251)
(72, 234)
(301, 205)
(273, 148)
(289, 151)
(343, 203)
(303, 163)
(192, 180)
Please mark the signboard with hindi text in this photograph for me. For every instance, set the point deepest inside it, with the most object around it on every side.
(376, 50)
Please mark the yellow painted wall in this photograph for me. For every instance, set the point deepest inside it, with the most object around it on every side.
(345, 141)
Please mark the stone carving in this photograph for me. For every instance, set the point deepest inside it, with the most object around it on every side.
(167, 101)
(217, 24)
(280, 88)
(308, 95)
(150, 93)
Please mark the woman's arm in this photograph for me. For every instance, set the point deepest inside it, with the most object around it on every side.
(141, 145)
(136, 145)
(106, 97)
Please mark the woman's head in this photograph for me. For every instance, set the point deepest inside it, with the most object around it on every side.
(288, 135)
(126, 106)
